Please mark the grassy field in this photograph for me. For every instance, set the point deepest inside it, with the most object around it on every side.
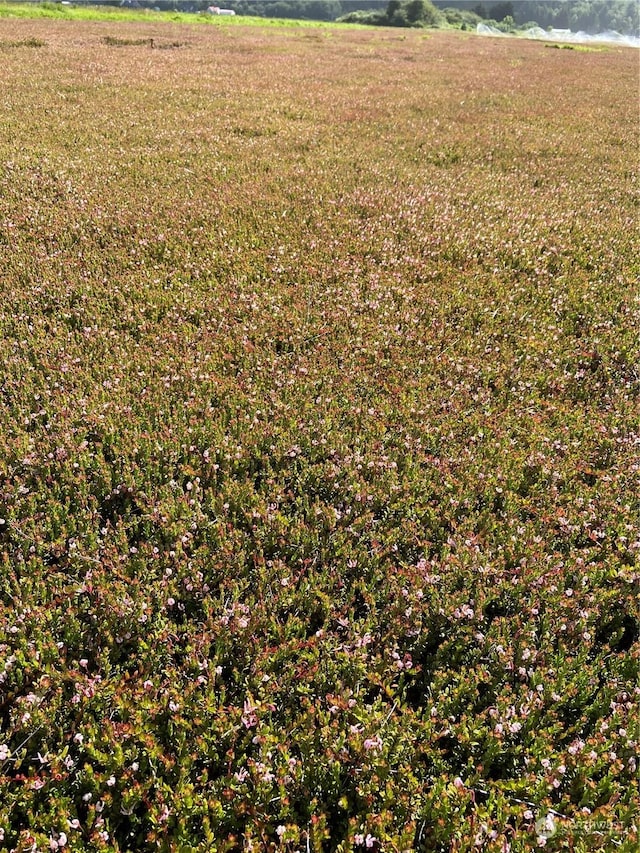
(320, 446)
(35, 9)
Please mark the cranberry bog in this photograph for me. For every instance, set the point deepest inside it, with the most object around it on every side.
(319, 460)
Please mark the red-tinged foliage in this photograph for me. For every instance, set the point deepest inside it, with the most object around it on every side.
(319, 462)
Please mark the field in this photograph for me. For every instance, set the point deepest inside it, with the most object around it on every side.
(320, 446)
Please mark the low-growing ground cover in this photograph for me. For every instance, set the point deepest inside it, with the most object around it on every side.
(320, 452)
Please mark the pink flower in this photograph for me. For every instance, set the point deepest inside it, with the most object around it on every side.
(265, 774)
(373, 743)
(464, 612)
(249, 718)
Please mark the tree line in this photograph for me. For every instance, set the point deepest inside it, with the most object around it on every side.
(592, 16)
(589, 15)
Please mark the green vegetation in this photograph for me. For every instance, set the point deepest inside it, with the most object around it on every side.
(399, 13)
(589, 15)
(28, 42)
(56, 11)
(319, 10)
(592, 16)
(319, 474)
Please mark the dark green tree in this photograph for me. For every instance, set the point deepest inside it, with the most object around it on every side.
(421, 12)
(500, 11)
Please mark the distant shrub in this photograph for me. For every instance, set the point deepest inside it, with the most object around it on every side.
(506, 25)
(113, 41)
(422, 13)
(399, 13)
(363, 16)
(30, 42)
(461, 17)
